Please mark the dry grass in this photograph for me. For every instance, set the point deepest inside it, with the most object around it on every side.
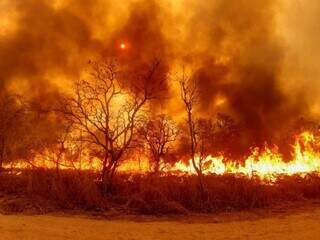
(146, 194)
(69, 190)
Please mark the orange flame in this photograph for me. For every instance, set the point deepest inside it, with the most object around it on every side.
(266, 163)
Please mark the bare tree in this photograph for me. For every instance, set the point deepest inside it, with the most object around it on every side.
(59, 150)
(205, 130)
(226, 136)
(190, 96)
(107, 112)
(159, 133)
(12, 110)
(216, 136)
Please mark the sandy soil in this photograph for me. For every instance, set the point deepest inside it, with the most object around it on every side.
(303, 223)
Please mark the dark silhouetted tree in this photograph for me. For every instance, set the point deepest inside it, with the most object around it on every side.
(107, 111)
(159, 133)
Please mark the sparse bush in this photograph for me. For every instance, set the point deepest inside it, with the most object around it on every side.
(147, 194)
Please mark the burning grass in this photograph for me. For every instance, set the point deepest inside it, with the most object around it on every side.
(263, 180)
(148, 194)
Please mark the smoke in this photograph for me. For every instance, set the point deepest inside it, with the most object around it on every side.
(243, 53)
(298, 25)
(239, 60)
(48, 44)
(144, 44)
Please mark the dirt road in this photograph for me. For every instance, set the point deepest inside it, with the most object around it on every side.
(303, 224)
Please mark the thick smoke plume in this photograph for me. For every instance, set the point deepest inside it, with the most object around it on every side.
(47, 43)
(234, 48)
(143, 43)
(239, 60)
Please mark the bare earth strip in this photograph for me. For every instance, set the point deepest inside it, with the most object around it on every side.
(302, 224)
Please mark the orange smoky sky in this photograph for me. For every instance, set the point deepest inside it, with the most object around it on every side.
(255, 60)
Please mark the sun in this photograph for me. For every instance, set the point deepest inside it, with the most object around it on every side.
(123, 46)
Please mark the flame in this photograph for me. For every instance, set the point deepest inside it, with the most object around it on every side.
(267, 163)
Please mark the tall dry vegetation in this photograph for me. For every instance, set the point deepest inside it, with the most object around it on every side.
(41, 191)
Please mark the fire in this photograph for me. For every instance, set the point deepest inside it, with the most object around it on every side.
(267, 163)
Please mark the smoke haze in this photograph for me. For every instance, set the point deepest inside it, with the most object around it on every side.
(254, 60)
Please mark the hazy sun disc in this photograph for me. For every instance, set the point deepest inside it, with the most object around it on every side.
(123, 46)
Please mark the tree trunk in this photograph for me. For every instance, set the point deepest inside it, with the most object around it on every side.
(112, 173)
(201, 188)
(156, 165)
(107, 174)
(57, 169)
(104, 170)
(57, 166)
(104, 174)
(198, 168)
